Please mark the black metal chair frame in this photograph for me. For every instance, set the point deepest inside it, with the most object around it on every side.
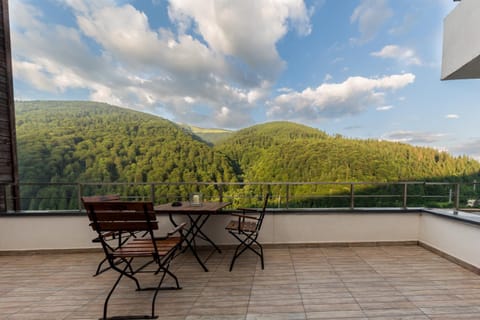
(120, 238)
(247, 236)
(126, 216)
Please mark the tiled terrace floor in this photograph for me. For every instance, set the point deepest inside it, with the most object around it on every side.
(391, 282)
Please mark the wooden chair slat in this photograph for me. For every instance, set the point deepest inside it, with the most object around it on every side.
(123, 215)
(120, 205)
(98, 198)
(129, 226)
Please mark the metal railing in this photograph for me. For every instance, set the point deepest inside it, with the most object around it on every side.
(285, 195)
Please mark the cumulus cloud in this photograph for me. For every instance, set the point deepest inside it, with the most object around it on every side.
(370, 16)
(333, 100)
(414, 137)
(208, 61)
(224, 27)
(384, 108)
(404, 55)
(53, 68)
(452, 116)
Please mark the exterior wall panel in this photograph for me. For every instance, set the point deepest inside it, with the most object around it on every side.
(8, 152)
(461, 44)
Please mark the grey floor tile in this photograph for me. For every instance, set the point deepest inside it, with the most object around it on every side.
(379, 283)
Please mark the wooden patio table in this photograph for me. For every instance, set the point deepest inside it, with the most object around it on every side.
(197, 216)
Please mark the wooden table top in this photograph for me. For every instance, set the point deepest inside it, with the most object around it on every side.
(205, 207)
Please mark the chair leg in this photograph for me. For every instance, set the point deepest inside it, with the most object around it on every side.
(235, 256)
(154, 298)
(105, 305)
(164, 267)
(99, 267)
(246, 243)
(261, 255)
(124, 272)
(159, 286)
(237, 252)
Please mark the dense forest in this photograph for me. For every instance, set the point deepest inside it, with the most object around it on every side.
(93, 142)
(284, 151)
(80, 142)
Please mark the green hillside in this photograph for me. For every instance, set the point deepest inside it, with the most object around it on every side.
(283, 151)
(251, 148)
(89, 142)
(70, 142)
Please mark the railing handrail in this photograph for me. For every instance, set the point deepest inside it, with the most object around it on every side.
(352, 191)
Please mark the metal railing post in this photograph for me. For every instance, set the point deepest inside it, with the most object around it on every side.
(287, 193)
(457, 197)
(152, 192)
(220, 192)
(405, 196)
(352, 196)
(80, 192)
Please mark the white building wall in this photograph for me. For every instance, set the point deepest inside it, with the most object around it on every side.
(461, 42)
(73, 232)
(453, 237)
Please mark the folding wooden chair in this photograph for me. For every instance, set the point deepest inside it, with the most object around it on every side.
(137, 255)
(246, 229)
(111, 237)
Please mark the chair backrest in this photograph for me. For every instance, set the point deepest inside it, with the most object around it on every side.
(262, 213)
(104, 197)
(98, 198)
(108, 216)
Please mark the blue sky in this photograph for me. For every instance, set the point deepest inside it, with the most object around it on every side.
(367, 69)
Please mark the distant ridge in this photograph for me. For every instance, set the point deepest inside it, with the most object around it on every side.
(88, 141)
(285, 151)
(210, 135)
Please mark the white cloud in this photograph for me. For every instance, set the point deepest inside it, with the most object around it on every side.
(52, 68)
(405, 55)
(284, 90)
(333, 100)
(229, 117)
(452, 116)
(34, 74)
(413, 137)
(189, 100)
(212, 57)
(384, 108)
(370, 16)
(227, 31)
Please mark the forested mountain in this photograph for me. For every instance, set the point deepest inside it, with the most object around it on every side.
(62, 141)
(283, 151)
(73, 142)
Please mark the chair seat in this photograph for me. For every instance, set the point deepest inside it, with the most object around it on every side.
(145, 248)
(245, 226)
